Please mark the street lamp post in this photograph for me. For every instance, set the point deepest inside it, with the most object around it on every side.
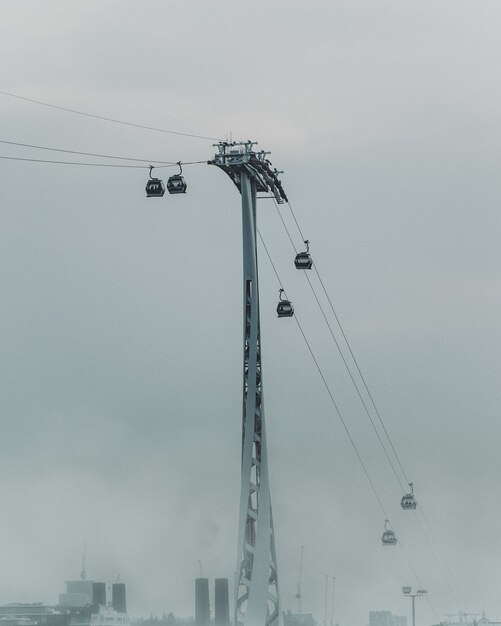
(407, 591)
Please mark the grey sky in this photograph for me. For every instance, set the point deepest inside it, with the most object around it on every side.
(121, 316)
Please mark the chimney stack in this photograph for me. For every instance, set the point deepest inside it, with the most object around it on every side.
(202, 607)
(118, 598)
(98, 596)
(221, 605)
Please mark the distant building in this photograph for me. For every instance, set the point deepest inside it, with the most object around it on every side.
(15, 614)
(385, 618)
(86, 605)
(78, 593)
(298, 619)
(106, 616)
(467, 619)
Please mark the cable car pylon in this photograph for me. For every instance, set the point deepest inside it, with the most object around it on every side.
(257, 600)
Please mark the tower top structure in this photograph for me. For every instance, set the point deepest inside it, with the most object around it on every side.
(239, 156)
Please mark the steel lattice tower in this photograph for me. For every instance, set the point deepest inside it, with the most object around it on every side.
(256, 585)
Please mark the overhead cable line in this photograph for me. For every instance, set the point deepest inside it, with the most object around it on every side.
(108, 119)
(451, 574)
(329, 392)
(362, 377)
(343, 422)
(432, 550)
(453, 593)
(355, 384)
(103, 156)
(347, 367)
(419, 581)
(10, 158)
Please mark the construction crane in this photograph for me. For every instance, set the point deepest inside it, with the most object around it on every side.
(298, 594)
(83, 572)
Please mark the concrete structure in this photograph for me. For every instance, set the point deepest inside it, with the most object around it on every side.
(298, 619)
(118, 597)
(385, 618)
(221, 602)
(202, 605)
(15, 614)
(78, 593)
(98, 595)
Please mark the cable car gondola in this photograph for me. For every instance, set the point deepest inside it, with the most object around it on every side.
(303, 260)
(284, 307)
(154, 187)
(408, 500)
(388, 538)
(176, 183)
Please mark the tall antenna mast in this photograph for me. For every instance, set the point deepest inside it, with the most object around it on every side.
(83, 572)
(332, 600)
(299, 597)
(256, 581)
(325, 598)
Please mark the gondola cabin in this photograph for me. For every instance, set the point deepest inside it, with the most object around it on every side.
(154, 188)
(388, 538)
(303, 261)
(408, 501)
(285, 309)
(176, 184)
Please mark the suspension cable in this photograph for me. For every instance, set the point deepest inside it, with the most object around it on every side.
(329, 392)
(453, 594)
(103, 156)
(11, 158)
(362, 377)
(451, 574)
(344, 360)
(451, 590)
(421, 586)
(343, 422)
(107, 119)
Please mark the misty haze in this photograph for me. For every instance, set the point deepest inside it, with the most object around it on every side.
(250, 277)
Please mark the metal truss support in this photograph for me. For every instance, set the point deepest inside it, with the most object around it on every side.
(256, 585)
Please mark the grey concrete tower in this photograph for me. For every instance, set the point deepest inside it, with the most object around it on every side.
(202, 606)
(98, 596)
(118, 598)
(221, 603)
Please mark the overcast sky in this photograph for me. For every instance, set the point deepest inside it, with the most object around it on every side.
(121, 319)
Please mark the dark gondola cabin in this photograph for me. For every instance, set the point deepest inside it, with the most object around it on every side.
(155, 188)
(408, 500)
(284, 307)
(388, 538)
(176, 184)
(303, 260)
